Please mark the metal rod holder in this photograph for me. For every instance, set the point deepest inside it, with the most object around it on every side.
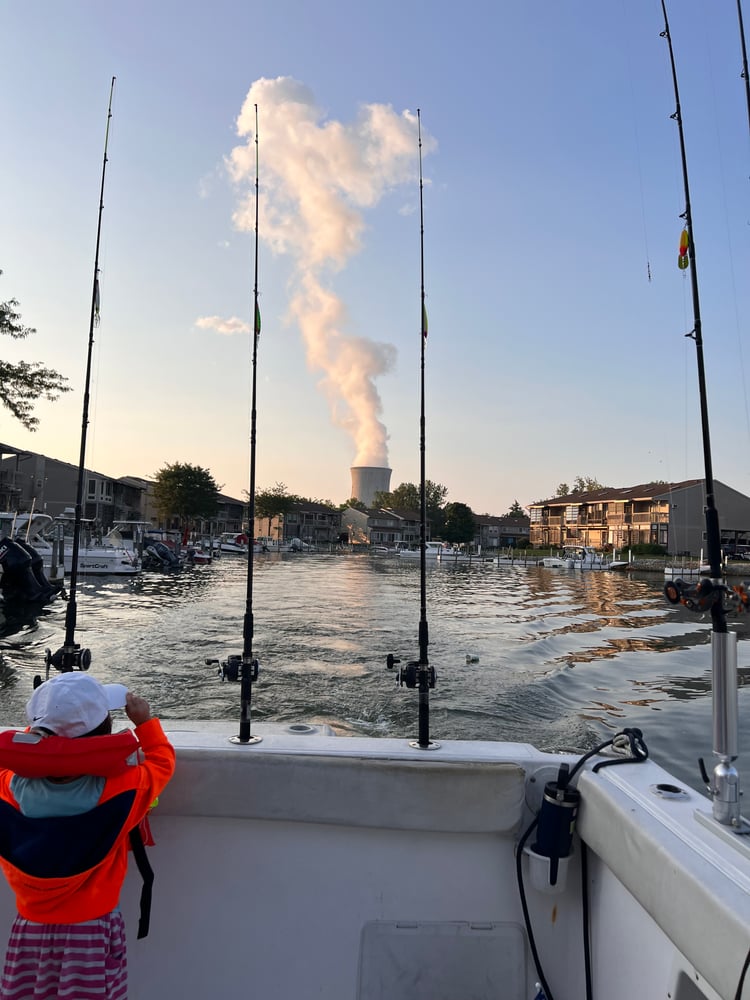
(725, 786)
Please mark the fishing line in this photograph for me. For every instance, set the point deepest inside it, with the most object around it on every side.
(639, 159)
(96, 347)
(724, 201)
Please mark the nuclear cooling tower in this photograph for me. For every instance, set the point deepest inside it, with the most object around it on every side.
(367, 480)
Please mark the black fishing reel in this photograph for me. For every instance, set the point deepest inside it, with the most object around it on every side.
(66, 659)
(234, 668)
(703, 595)
(409, 675)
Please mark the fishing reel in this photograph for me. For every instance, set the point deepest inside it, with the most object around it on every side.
(409, 675)
(234, 668)
(703, 595)
(66, 658)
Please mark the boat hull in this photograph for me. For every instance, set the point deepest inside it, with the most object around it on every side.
(393, 871)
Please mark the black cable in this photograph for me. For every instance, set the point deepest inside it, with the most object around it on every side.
(585, 919)
(525, 908)
(741, 983)
(639, 754)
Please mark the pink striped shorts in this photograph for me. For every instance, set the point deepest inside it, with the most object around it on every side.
(85, 961)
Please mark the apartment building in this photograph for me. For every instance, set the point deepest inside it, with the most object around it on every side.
(666, 514)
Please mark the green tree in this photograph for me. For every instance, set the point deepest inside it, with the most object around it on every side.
(516, 510)
(354, 503)
(581, 484)
(187, 491)
(585, 484)
(407, 497)
(460, 526)
(25, 382)
(274, 502)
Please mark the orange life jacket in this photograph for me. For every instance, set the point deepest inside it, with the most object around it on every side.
(32, 756)
(71, 868)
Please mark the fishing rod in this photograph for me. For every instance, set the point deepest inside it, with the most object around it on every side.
(709, 594)
(419, 673)
(245, 667)
(745, 75)
(70, 655)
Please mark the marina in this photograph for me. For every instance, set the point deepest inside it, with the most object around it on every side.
(563, 658)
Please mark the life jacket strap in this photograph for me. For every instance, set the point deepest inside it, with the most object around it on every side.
(147, 874)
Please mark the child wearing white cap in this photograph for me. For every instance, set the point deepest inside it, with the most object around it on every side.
(64, 837)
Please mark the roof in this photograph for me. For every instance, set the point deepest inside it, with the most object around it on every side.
(312, 507)
(501, 519)
(645, 491)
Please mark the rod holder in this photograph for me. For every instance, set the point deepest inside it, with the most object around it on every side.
(725, 786)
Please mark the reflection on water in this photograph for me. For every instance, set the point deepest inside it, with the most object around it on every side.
(557, 658)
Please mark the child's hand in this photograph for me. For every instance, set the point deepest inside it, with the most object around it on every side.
(137, 708)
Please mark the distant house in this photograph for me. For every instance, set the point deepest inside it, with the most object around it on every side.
(311, 522)
(500, 532)
(28, 479)
(666, 514)
(375, 526)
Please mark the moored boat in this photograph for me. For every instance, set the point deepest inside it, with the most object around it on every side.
(231, 542)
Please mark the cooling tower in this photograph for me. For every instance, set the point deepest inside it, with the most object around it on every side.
(367, 480)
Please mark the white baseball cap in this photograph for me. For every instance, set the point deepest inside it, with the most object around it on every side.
(72, 703)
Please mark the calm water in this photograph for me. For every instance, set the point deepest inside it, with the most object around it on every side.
(564, 658)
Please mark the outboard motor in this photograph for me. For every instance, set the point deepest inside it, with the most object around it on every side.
(18, 581)
(37, 566)
(162, 555)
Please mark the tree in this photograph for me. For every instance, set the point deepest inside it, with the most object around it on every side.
(585, 484)
(516, 510)
(354, 503)
(25, 382)
(460, 526)
(407, 497)
(581, 484)
(273, 502)
(187, 491)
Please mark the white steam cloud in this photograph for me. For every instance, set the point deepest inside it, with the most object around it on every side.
(318, 176)
(228, 327)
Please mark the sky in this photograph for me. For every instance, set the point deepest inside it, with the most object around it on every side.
(551, 201)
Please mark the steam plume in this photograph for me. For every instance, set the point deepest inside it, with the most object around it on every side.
(318, 177)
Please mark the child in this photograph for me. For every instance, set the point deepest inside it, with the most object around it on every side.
(64, 837)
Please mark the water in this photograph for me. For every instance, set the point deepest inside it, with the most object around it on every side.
(561, 659)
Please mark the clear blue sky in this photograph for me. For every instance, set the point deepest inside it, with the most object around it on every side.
(552, 184)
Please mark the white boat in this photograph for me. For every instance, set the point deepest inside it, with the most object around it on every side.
(51, 536)
(576, 557)
(673, 572)
(433, 550)
(231, 541)
(583, 557)
(687, 570)
(107, 556)
(291, 863)
(393, 869)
